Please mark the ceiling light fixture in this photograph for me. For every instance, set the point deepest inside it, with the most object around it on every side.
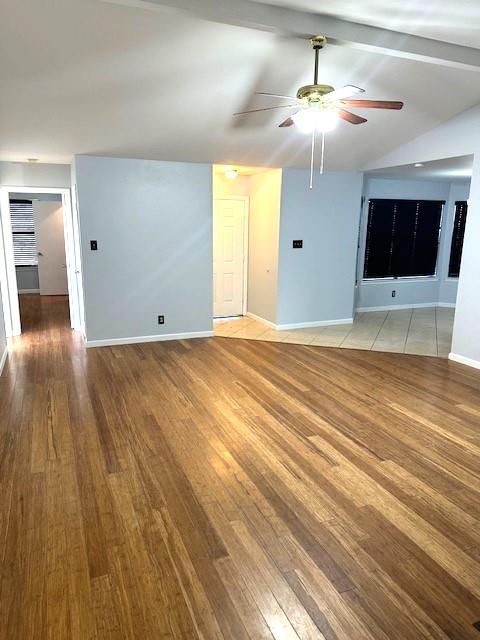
(313, 119)
(320, 106)
(417, 165)
(231, 174)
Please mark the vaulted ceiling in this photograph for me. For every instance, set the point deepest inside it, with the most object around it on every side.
(93, 77)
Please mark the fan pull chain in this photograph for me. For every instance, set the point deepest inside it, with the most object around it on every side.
(312, 158)
(323, 153)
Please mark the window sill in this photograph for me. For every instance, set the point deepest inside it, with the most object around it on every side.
(405, 279)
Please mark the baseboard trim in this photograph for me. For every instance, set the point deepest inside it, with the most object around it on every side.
(260, 319)
(393, 307)
(3, 360)
(469, 362)
(317, 323)
(28, 291)
(300, 325)
(111, 342)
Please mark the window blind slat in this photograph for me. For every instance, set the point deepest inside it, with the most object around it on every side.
(23, 233)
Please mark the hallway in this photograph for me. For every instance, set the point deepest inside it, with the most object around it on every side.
(218, 489)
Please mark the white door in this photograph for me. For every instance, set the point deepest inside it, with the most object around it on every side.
(228, 256)
(50, 240)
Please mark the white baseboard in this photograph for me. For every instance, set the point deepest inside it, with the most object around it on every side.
(28, 291)
(317, 323)
(448, 305)
(300, 325)
(110, 342)
(260, 319)
(3, 359)
(469, 362)
(420, 305)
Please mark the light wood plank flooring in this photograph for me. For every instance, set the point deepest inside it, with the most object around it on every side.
(223, 489)
(421, 331)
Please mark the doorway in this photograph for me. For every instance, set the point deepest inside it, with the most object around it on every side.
(41, 253)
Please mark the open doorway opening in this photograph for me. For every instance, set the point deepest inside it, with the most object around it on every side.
(410, 253)
(246, 209)
(40, 267)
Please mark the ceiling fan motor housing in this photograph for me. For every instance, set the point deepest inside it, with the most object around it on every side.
(313, 92)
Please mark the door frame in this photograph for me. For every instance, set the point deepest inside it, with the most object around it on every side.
(246, 201)
(8, 278)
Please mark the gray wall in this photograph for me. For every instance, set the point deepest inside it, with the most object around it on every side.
(378, 293)
(27, 278)
(28, 174)
(153, 224)
(317, 283)
(263, 239)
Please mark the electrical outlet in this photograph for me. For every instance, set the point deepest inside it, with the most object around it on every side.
(297, 244)
(394, 293)
(161, 319)
(93, 245)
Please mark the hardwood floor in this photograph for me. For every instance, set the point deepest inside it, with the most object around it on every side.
(230, 489)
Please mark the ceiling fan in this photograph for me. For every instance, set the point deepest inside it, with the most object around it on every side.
(319, 106)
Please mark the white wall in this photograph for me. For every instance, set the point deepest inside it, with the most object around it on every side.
(153, 224)
(466, 330)
(378, 293)
(317, 283)
(3, 338)
(263, 243)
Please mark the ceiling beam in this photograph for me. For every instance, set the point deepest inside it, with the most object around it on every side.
(284, 21)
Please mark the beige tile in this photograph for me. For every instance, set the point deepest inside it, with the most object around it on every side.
(365, 330)
(328, 340)
(392, 336)
(425, 331)
(422, 335)
(271, 335)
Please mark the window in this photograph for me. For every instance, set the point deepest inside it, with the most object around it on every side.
(23, 232)
(402, 238)
(461, 208)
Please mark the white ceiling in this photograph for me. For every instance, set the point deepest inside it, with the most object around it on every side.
(444, 20)
(83, 76)
(451, 169)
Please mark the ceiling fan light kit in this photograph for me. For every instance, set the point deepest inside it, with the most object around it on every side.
(319, 107)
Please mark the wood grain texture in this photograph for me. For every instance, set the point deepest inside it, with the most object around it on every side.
(223, 489)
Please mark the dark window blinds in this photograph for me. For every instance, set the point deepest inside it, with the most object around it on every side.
(461, 208)
(402, 238)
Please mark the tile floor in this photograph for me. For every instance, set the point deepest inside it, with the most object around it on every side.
(426, 332)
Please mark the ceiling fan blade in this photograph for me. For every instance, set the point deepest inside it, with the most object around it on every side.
(373, 104)
(350, 117)
(286, 123)
(343, 93)
(275, 95)
(280, 106)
